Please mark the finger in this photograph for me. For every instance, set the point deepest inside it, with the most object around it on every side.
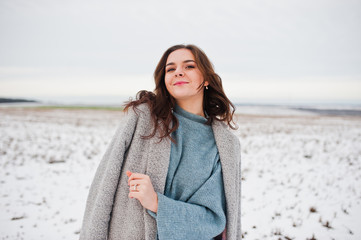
(133, 182)
(136, 176)
(129, 173)
(135, 195)
(137, 188)
(131, 189)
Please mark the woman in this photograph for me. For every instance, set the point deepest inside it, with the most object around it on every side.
(172, 170)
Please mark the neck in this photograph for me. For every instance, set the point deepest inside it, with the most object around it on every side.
(195, 107)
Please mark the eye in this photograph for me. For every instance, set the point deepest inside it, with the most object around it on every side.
(190, 66)
(169, 69)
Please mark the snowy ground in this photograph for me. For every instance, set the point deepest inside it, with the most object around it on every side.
(301, 172)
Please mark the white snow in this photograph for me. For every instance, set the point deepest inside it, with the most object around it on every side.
(271, 111)
(291, 164)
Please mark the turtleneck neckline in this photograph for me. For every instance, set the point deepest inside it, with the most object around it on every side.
(191, 116)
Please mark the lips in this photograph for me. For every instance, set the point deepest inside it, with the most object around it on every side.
(180, 83)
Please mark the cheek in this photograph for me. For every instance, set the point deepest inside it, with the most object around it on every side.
(197, 77)
(200, 77)
(167, 82)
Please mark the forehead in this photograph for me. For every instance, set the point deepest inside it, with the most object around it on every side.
(180, 55)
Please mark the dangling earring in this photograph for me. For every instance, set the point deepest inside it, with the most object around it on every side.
(207, 87)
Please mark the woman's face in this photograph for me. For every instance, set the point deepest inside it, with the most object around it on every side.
(183, 77)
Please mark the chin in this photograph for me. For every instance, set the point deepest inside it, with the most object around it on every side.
(179, 94)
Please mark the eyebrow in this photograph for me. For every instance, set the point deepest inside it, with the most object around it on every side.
(172, 63)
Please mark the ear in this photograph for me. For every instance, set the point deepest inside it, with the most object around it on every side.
(206, 83)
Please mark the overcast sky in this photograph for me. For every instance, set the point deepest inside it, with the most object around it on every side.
(263, 50)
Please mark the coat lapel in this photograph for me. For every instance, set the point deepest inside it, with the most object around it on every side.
(226, 148)
(158, 162)
(157, 168)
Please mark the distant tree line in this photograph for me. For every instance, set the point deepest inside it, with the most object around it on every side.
(14, 100)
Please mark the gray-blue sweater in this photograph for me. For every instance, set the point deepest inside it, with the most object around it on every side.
(193, 205)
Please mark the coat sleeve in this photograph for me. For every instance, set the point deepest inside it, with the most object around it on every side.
(102, 190)
(201, 217)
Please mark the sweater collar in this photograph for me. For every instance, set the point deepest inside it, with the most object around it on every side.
(181, 112)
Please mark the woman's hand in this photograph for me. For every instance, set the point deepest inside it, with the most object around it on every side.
(144, 191)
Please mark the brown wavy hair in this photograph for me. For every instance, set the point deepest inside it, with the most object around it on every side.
(215, 102)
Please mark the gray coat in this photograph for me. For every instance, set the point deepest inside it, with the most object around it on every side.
(111, 214)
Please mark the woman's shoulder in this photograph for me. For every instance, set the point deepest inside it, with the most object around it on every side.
(140, 111)
(135, 117)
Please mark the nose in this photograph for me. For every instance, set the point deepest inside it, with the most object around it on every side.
(179, 73)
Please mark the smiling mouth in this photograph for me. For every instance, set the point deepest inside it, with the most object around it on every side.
(180, 83)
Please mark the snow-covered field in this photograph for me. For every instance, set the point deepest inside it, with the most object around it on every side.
(301, 172)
